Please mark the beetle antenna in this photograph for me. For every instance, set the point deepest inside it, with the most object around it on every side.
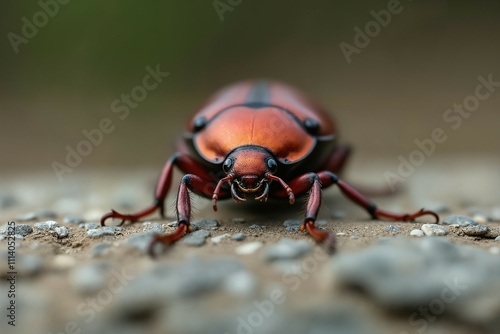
(215, 196)
(291, 196)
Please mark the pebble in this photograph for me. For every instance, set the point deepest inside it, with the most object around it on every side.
(218, 239)
(155, 227)
(459, 220)
(173, 224)
(89, 226)
(7, 201)
(434, 230)
(292, 225)
(238, 236)
(26, 265)
(476, 230)
(320, 223)
(63, 262)
(417, 233)
(340, 234)
(61, 231)
(103, 231)
(196, 238)
(240, 284)
(407, 273)
(249, 248)
(19, 230)
(26, 217)
(239, 220)
(437, 207)
(45, 226)
(93, 215)
(339, 214)
(140, 241)
(206, 224)
(497, 238)
(100, 248)
(255, 227)
(494, 250)
(45, 214)
(392, 228)
(73, 220)
(89, 278)
(480, 218)
(287, 249)
(148, 293)
(494, 215)
(68, 205)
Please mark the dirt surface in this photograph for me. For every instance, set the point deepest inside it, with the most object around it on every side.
(454, 185)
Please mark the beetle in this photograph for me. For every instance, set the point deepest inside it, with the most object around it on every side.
(259, 139)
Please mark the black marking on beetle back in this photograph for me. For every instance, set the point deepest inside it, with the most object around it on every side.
(199, 123)
(259, 96)
(311, 126)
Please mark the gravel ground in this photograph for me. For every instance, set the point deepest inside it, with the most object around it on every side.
(247, 268)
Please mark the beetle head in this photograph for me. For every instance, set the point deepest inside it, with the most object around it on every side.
(250, 170)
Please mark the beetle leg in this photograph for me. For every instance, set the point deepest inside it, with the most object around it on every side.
(328, 178)
(311, 183)
(185, 164)
(215, 195)
(189, 182)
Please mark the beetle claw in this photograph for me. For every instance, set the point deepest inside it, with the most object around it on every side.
(169, 239)
(214, 202)
(324, 238)
(291, 197)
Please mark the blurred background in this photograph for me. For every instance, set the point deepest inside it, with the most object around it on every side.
(64, 79)
(65, 67)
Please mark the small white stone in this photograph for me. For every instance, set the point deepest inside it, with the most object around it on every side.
(241, 284)
(61, 231)
(495, 214)
(219, 238)
(434, 230)
(340, 234)
(63, 261)
(48, 225)
(481, 219)
(248, 248)
(494, 250)
(417, 233)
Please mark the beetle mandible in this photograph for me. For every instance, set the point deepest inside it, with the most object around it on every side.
(261, 139)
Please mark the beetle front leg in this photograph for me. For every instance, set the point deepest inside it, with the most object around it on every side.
(311, 183)
(192, 183)
(185, 164)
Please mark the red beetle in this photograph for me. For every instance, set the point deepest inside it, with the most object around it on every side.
(260, 139)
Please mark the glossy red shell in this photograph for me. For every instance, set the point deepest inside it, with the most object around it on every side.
(231, 121)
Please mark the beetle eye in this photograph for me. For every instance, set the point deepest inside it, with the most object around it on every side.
(273, 166)
(227, 165)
